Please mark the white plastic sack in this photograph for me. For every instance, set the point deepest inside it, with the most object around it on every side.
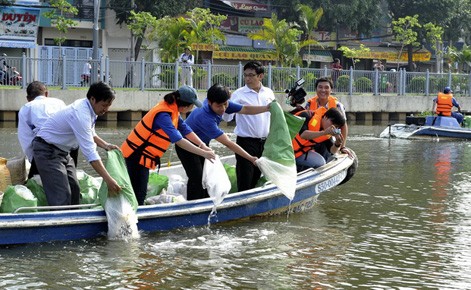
(122, 219)
(281, 175)
(215, 180)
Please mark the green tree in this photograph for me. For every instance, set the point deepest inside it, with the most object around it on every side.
(405, 30)
(354, 53)
(158, 9)
(434, 35)
(361, 16)
(309, 20)
(60, 18)
(284, 38)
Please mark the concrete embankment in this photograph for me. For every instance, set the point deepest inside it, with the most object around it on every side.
(131, 105)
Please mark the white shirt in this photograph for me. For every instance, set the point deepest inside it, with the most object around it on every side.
(254, 126)
(31, 118)
(189, 59)
(72, 127)
(87, 67)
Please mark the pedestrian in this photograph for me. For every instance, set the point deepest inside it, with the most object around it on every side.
(32, 116)
(152, 136)
(86, 72)
(187, 60)
(251, 130)
(64, 131)
(204, 122)
(336, 69)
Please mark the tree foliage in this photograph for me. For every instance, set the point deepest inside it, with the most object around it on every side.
(354, 53)
(59, 16)
(361, 16)
(173, 34)
(284, 37)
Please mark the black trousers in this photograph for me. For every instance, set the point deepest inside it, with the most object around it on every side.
(247, 173)
(139, 176)
(193, 165)
(58, 173)
(34, 169)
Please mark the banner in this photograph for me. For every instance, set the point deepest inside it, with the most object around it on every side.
(244, 55)
(18, 26)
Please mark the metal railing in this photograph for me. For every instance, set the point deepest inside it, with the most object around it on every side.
(141, 75)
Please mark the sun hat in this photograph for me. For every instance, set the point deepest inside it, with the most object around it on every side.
(447, 90)
(188, 94)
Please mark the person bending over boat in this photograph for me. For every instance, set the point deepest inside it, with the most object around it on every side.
(251, 130)
(318, 128)
(204, 122)
(323, 98)
(64, 131)
(444, 103)
(32, 116)
(152, 136)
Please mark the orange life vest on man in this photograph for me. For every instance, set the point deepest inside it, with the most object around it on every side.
(300, 145)
(150, 144)
(313, 103)
(444, 104)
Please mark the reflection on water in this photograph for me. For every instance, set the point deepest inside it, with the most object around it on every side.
(402, 222)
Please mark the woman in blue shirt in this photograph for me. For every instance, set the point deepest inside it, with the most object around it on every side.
(204, 122)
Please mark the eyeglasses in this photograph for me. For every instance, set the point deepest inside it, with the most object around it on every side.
(250, 75)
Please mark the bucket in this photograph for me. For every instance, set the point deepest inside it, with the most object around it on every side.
(5, 178)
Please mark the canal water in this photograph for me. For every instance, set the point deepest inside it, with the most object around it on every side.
(402, 222)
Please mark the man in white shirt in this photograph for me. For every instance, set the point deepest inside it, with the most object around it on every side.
(86, 72)
(251, 130)
(187, 60)
(66, 130)
(33, 115)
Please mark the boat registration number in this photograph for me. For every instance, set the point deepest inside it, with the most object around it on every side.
(331, 182)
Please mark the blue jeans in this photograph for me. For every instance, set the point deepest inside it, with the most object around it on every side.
(310, 159)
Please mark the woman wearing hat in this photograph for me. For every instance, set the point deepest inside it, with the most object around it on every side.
(152, 136)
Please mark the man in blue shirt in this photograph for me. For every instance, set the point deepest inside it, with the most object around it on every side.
(204, 122)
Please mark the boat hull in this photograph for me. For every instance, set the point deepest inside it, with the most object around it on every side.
(67, 225)
(444, 127)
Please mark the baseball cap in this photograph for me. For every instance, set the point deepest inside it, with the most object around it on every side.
(447, 90)
(188, 94)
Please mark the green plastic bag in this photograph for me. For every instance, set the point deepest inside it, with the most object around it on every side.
(231, 173)
(278, 146)
(37, 190)
(294, 123)
(278, 163)
(89, 187)
(116, 167)
(156, 183)
(18, 196)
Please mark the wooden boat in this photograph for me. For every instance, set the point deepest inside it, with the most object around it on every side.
(68, 224)
(435, 126)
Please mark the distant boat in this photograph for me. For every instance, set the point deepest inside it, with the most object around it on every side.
(435, 126)
(64, 225)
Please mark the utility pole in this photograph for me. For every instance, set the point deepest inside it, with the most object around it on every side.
(96, 16)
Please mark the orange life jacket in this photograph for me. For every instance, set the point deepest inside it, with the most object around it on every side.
(331, 103)
(444, 104)
(150, 144)
(300, 145)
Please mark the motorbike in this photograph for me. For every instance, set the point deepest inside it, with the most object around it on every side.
(11, 76)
